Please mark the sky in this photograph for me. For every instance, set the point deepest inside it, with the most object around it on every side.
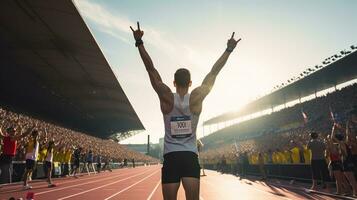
(280, 39)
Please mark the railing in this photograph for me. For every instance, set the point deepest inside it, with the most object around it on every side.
(18, 168)
(285, 171)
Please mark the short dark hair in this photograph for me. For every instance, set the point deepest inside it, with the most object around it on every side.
(182, 77)
(314, 135)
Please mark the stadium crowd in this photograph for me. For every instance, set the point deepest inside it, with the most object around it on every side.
(24, 138)
(287, 133)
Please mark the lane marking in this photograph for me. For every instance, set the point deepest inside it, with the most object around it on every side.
(208, 183)
(86, 191)
(62, 188)
(153, 191)
(38, 182)
(131, 185)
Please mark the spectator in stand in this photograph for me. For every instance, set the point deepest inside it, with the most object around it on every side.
(345, 147)
(89, 163)
(351, 134)
(261, 166)
(67, 160)
(49, 163)
(10, 139)
(107, 164)
(76, 161)
(31, 158)
(319, 168)
(99, 162)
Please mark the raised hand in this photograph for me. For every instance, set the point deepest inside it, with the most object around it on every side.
(232, 43)
(138, 34)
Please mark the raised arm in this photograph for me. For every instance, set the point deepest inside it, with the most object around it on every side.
(2, 132)
(163, 91)
(199, 93)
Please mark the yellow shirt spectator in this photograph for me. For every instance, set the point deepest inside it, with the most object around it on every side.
(307, 155)
(295, 155)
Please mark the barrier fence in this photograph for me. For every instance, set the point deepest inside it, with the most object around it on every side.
(301, 172)
(288, 171)
(58, 170)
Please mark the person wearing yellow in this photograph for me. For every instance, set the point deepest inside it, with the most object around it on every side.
(286, 157)
(67, 160)
(295, 155)
(307, 155)
(49, 163)
(31, 157)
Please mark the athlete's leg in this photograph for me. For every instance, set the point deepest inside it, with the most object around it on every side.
(169, 190)
(192, 188)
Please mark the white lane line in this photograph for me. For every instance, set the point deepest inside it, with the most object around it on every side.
(85, 191)
(153, 191)
(62, 188)
(260, 190)
(131, 186)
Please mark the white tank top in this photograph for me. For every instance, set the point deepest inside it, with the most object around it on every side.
(34, 153)
(180, 126)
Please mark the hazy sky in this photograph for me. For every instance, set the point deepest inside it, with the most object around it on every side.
(280, 39)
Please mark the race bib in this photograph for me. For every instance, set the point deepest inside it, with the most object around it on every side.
(181, 126)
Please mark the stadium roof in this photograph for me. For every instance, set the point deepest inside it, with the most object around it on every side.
(53, 69)
(343, 70)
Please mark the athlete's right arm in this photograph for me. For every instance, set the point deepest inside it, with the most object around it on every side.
(163, 91)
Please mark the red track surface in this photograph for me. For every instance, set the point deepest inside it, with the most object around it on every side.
(143, 183)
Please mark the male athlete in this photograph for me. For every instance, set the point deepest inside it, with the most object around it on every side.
(181, 112)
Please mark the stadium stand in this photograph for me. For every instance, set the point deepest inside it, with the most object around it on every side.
(60, 81)
(275, 144)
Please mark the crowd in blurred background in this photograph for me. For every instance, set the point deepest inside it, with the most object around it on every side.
(66, 140)
(283, 135)
(332, 117)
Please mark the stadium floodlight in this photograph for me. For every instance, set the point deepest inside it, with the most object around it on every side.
(353, 47)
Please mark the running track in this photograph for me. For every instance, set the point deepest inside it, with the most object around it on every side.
(143, 183)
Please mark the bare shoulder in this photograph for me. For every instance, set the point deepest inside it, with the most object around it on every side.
(196, 99)
(166, 99)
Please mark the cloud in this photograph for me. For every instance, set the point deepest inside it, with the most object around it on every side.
(118, 27)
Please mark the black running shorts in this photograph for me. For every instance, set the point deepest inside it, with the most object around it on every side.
(179, 164)
(30, 164)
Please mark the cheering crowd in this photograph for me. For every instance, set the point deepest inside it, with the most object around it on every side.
(331, 120)
(27, 139)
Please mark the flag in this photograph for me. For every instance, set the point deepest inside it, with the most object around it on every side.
(333, 118)
(304, 115)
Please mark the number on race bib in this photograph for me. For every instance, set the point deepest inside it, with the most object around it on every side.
(181, 127)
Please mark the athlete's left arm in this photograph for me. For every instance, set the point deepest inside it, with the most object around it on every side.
(200, 93)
